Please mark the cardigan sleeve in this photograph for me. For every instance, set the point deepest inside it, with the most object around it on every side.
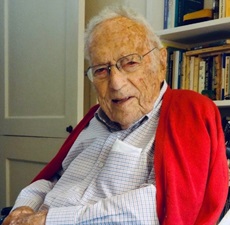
(190, 161)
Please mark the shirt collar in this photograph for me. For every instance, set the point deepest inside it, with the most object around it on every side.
(113, 126)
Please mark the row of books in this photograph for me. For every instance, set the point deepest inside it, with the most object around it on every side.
(204, 71)
(174, 10)
(183, 12)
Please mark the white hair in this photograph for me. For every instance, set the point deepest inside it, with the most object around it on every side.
(119, 11)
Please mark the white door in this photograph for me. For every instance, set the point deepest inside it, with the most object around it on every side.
(41, 66)
(41, 85)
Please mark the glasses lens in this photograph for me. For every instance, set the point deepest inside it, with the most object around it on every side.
(130, 63)
(97, 72)
(89, 74)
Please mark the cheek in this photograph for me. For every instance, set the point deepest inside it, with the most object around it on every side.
(101, 90)
(149, 87)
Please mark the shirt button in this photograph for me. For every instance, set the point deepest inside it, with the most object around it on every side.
(100, 164)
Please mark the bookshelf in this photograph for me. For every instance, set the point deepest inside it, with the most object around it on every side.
(195, 33)
(190, 35)
(223, 103)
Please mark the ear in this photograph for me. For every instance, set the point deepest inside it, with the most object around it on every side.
(163, 57)
(163, 62)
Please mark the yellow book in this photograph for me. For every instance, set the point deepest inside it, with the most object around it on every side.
(227, 8)
(203, 14)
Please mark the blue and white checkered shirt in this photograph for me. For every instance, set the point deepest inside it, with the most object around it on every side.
(107, 178)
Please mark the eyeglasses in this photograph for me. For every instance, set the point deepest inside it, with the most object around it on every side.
(128, 63)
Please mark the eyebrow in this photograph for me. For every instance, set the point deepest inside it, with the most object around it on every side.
(110, 63)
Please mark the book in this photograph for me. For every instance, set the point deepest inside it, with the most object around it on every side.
(215, 9)
(165, 25)
(197, 16)
(208, 73)
(201, 78)
(221, 8)
(177, 59)
(191, 72)
(187, 75)
(187, 6)
(169, 70)
(171, 13)
(183, 70)
(223, 64)
(227, 75)
(227, 8)
(196, 73)
(203, 55)
(217, 76)
(169, 64)
(208, 50)
(174, 11)
(211, 44)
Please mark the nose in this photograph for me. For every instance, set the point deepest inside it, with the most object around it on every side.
(116, 78)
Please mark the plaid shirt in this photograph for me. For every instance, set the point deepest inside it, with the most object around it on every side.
(107, 177)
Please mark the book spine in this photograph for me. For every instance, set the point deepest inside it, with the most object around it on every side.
(183, 70)
(180, 68)
(210, 72)
(222, 76)
(166, 8)
(201, 76)
(221, 8)
(180, 13)
(196, 74)
(191, 72)
(208, 50)
(227, 70)
(176, 13)
(171, 13)
(217, 76)
(176, 62)
(187, 72)
(170, 69)
(215, 9)
(227, 8)
(206, 79)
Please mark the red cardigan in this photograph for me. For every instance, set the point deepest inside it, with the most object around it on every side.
(189, 159)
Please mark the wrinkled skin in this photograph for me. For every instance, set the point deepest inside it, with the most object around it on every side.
(26, 216)
(125, 98)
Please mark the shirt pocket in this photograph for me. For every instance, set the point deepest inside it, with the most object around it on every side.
(120, 172)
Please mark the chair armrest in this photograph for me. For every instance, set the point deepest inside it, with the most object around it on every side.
(4, 213)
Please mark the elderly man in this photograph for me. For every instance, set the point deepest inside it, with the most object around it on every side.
(145, 155)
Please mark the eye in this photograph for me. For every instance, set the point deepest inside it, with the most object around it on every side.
(100, 71)
(130, 63)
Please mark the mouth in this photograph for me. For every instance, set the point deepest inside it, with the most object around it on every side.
(120, 101)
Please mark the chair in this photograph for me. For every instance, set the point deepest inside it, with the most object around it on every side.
(4, 212)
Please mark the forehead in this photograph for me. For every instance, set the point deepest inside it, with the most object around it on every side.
(117, 37)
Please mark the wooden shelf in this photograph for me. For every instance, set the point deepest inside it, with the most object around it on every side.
(223, 103)
(198, 32)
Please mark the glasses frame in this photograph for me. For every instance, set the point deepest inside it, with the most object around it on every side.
(117, 65)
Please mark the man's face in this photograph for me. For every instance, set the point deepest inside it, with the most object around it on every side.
(126, 97)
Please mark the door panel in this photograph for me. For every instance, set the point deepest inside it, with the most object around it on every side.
(21, 158)
(42, 66)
